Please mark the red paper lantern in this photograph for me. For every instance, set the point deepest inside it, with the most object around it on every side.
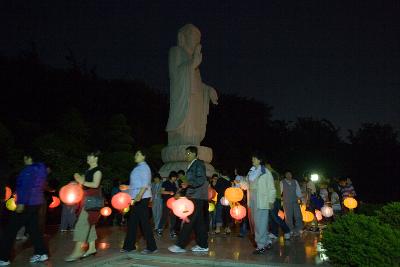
(55, 203)
(8, 193)
(318, 215)
(211, 193)
(238, 212)
(182, 207)
(121, 200)
(234, 194)
(106, 211)
(71, 193)
(170, 202)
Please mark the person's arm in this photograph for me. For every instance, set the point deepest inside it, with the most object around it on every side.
(164, 192)
(298, 190)
(96, 180)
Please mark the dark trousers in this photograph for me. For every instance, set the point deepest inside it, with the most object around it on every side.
(196, 223)
(30, 219)
(139, 215)
(276, 221)
(167, 213)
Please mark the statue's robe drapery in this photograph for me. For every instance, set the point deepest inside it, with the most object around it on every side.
(189, 101)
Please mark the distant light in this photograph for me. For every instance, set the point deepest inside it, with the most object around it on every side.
(314, 177)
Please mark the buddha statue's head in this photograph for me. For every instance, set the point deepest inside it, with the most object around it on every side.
(189, 37)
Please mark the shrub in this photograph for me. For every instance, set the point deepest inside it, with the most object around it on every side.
(359, 240)
(390, 214)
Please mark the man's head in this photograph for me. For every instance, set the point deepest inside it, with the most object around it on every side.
(343, 181)
(190, 153)
(181, 173)
(157, 178)
(173, 176)
(257, 159)
(28, 159)
(288, 175)
(140, 156)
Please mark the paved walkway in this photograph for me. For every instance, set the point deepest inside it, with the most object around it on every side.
(225, 250)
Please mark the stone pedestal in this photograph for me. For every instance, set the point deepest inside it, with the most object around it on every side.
(174, 159)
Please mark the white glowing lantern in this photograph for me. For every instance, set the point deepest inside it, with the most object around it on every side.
(327, 211)
(224, 201)
(314, 177)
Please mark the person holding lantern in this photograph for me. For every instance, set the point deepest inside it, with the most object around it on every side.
(291, 194)
(30, 187)
(222, 217)
(262, 196)
(85, 227)
(168, 190)
(140, 191)
(197, 192)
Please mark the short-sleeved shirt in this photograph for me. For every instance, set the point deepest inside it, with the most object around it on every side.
(140, 177)
(168, 186)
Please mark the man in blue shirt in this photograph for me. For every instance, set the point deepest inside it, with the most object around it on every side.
(30, 186)
(140, 191)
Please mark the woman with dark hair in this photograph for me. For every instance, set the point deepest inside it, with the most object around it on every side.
(85, 228)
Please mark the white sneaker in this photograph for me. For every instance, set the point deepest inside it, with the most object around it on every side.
(4, 263)
(39, 258)
(199, 249)
(176, 249)
(272, 236)
(287, 236)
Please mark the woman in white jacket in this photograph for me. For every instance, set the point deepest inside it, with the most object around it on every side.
(262, 196)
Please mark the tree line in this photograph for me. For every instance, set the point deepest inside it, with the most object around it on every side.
(64, 112)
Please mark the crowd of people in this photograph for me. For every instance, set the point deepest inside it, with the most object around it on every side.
(266, 194)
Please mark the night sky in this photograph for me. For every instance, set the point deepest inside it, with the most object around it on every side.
(338, 60)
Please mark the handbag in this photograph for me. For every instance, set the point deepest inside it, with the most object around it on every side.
(94, 202)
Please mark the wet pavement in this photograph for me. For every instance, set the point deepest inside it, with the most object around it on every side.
(225, 250)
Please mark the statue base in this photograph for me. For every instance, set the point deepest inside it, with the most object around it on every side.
(174, 159)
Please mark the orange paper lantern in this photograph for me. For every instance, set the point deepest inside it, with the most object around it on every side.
(106, 211)
(211, 193)
(121, 201)
(71, 193)
(170, 201)
(308, 216)
(281, 214)
(234, 194)
(350, 203)
(182, 207)
(8, 193)
(238, 212)
(55, 203)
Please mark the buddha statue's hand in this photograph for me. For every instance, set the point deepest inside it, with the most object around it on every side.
(213, 96)
(197, 56)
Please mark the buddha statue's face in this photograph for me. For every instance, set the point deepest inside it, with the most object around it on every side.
(188, 38)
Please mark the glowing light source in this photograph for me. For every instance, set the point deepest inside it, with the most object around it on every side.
(106, 211)
(211, 193)
(327, 211)
(224, 201)
(350, 203)
(121, 200)
(55, 203)
(314, 177)
(8, 193)
(170, 201)
(211, 207)
(308, 216)
(71, 193)
(10, 204)
(281, 214)
(234, 194)
(238, 212)
(182, 207)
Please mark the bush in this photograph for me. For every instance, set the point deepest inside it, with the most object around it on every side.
(390, 214)
(359, 240)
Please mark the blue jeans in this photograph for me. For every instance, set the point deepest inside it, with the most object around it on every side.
(276, 221)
